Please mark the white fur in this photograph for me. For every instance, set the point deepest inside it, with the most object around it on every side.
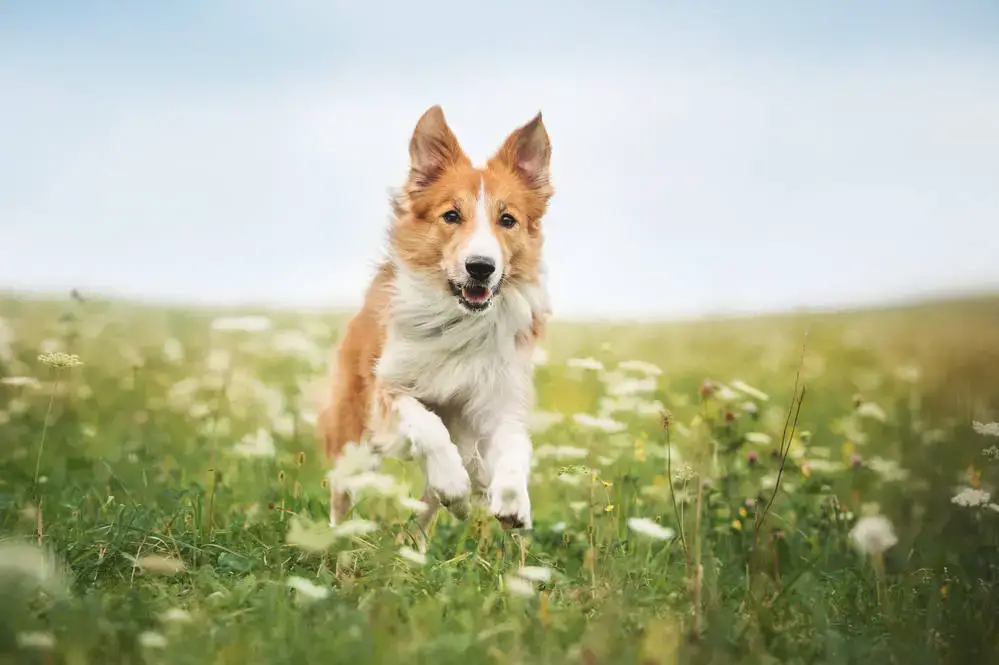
(466, 380)
(482, 240)
(446, 474)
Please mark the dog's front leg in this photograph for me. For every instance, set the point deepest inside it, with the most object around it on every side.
(509, 458)
(431, 443)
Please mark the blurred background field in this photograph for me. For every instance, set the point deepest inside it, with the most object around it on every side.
(178, 498)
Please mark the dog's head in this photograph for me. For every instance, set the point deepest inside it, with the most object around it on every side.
(473, 229)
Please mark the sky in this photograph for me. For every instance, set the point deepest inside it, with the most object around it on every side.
(707, 157)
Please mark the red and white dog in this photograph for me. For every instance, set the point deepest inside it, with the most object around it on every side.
(437, 364)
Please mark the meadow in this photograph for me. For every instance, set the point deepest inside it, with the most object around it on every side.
(811, 488)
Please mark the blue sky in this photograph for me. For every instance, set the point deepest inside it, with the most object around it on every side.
(713, 158)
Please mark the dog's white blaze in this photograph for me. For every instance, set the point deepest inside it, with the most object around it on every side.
(482, 241)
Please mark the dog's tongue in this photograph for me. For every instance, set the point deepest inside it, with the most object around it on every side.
(475, 293)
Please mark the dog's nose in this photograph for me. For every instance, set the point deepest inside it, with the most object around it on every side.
(480, 267)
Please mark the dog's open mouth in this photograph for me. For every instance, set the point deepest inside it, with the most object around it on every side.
(473, 296)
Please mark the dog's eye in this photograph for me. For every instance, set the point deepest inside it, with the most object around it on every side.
(507, 221)
(452, 217)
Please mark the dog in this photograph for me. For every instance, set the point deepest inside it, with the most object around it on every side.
(437, 364)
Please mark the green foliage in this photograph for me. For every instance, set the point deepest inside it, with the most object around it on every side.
(148, 497)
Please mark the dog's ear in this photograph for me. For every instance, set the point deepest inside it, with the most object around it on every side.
(433, 148)
(527, 151)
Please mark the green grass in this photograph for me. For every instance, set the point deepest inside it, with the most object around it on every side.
(137, 458)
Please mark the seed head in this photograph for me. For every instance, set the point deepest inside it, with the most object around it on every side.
(60, 360)
(873, 534)
(707, 389)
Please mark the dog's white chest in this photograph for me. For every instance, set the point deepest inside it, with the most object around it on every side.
(444, 357)
(451, 368)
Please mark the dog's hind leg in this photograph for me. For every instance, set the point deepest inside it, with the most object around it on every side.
(342, 421)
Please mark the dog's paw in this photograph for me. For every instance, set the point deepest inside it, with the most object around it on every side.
(448, 479)
(510, 502)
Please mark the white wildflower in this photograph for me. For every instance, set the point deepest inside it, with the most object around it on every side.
(644, 408)
(242, 323)
(539, 421)
(758, 438)
(535, 573)
(372, 482)
(307, 590)
(415, 505)
(558, 527)
(607, 425)
(986, 429)
(825, 465)
(632, 386)
(872, 411)
(518, 586)
(971, 497)
(639, 366)
(585, 364)
(21, 382)
(412, 556)
(889, 470)
(647, 527)
(684, 473)
(755, 393)
(354, 527)
(354, 459)
(36, 640)
(560, 452)
(873, 534)
(152, 640)
(157, 563)
(60, 360)
(257, 444)
(176, 615)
